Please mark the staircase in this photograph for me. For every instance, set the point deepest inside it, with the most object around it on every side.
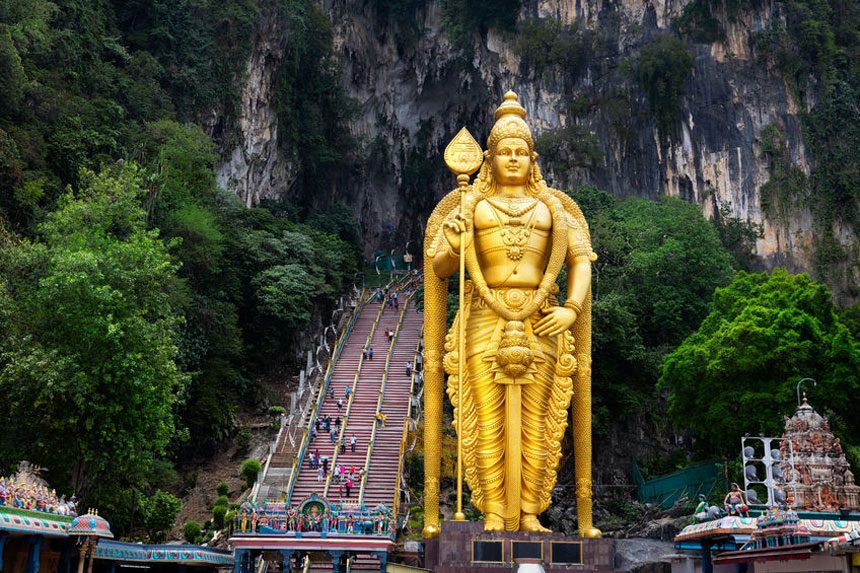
(378, 449)
(354, 372)
(382, 474)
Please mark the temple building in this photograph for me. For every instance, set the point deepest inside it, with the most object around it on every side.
(817, 475)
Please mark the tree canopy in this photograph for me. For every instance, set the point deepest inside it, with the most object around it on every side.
(737, 373)
(87, 337)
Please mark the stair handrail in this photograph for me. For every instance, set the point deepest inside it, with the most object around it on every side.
(367, 343)
(379, 399)
(396, 502)
(344, 335)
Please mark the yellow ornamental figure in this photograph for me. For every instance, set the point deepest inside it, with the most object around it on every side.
(526, 356)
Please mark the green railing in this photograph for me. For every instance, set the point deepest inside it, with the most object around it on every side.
(665, 490)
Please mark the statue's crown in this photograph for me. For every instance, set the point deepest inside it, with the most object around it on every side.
(510, 122)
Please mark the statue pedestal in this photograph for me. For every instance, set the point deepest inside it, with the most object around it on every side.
(465, 546)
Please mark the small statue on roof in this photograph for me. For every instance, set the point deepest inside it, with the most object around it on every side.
(735, 502)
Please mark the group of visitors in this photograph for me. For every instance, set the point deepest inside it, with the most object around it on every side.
(388, 297)
(367, 353)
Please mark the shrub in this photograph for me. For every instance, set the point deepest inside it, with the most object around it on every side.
(249, 470)
(223, 489)
(243, 440)
(192, 531)
(277, 410)
(221, 501)
(218, 516)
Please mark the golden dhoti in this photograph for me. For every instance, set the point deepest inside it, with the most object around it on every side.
(545, 390)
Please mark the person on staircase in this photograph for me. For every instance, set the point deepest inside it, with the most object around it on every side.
(352, 443)
(370, 353)
(408, 369)
(339, 404)
(346, 391)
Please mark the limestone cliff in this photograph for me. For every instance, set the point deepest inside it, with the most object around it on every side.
(415, 90)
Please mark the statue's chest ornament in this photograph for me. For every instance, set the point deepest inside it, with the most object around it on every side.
(515, 235)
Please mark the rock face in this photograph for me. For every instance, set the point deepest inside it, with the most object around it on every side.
(255, 167)
(415, 91)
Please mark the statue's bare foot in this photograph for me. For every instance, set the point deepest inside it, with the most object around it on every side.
(590, 533)
(493, 522)
(529, 522)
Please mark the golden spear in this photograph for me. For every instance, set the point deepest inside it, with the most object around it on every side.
(463, 156)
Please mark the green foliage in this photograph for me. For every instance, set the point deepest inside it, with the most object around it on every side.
(201, 46)
(218, 514)
(788, 186)
(221, 500)
(313, 107)
(277, 410)
(817, 49)
(763, 334)
(159, 512)
(12, 76)
(285, 291)
(243, 440)
(222, 489)
(737, 236)
(414, 468)
(545, 44)
(191, 532)
(658, 265)
(702, 20)
(661, 70)
(249, 470)
(568, 147)
(88, 335)
(465, 18)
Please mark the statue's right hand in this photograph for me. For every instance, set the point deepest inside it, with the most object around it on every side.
(455, 230)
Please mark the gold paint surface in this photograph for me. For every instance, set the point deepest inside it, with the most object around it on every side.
(516, 359)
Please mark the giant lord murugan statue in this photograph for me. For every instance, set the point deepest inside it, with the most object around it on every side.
(526, 355)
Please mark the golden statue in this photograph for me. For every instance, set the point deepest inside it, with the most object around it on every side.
(526, 356)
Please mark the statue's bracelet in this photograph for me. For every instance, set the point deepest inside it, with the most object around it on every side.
(573, 305)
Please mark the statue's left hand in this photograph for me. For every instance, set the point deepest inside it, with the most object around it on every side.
(557, 320)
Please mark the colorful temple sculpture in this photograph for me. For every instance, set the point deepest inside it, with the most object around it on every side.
(811, 523)
(42, 533)
(315, 528)
(778, 528)
(817, 475)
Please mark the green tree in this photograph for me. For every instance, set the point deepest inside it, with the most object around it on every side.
(737, 372)
(87, 338)
(658, 264)
(159, 513)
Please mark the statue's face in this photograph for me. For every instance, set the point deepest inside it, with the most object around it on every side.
(512, 161)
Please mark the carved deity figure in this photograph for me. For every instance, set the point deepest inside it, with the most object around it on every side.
(526, 354)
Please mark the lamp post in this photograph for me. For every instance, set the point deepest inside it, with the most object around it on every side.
(801, 381)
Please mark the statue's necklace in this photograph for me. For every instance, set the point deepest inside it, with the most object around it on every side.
(510, 210)
(515, 235)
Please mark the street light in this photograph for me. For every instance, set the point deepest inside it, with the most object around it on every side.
(801, 381)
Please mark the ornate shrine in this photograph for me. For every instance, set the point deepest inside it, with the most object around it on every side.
(817, 475)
